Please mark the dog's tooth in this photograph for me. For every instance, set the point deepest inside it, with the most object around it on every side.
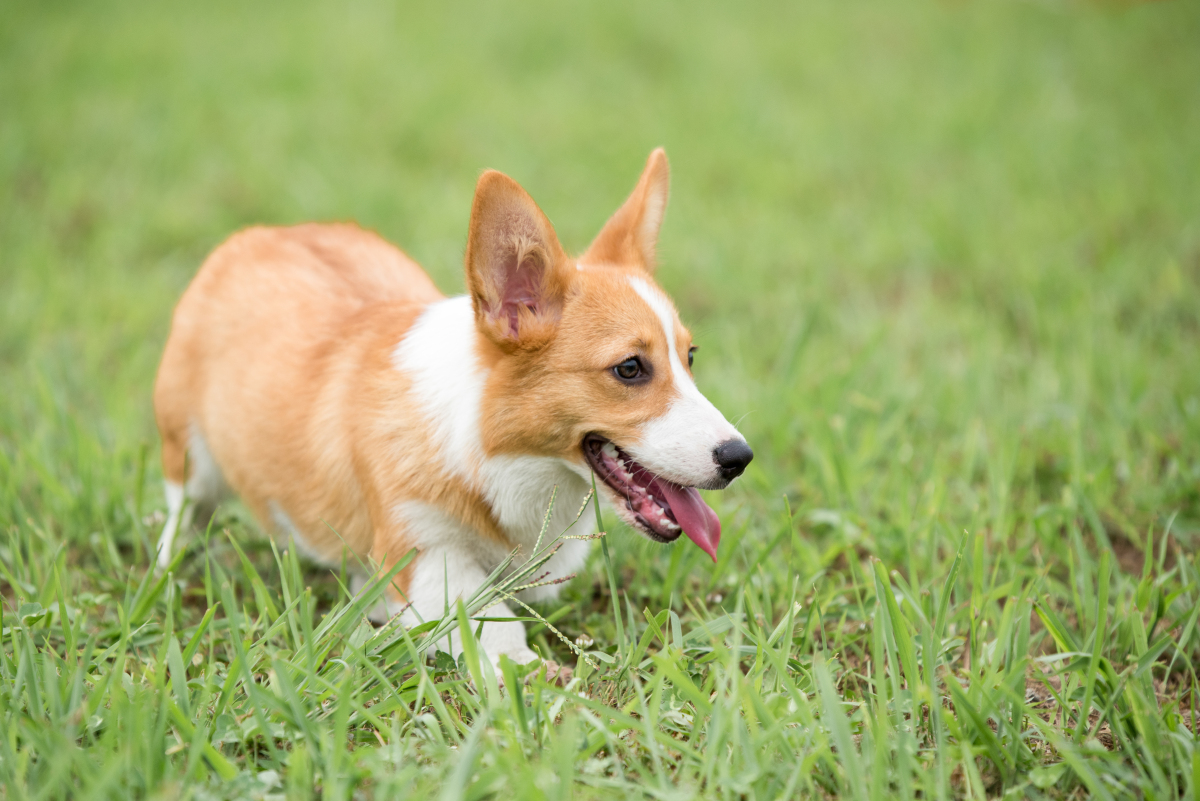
(610, 450)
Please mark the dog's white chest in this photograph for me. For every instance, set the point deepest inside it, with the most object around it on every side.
(438, 355)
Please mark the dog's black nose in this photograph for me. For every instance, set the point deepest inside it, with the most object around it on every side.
(732, 456)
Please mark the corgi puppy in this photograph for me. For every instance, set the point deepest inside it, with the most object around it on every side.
(318, 373)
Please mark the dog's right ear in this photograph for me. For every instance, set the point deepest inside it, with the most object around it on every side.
(515, 265)
(630, 235)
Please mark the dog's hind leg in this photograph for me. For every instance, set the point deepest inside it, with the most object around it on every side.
(197, 499)
(174, 462)
(175, 518)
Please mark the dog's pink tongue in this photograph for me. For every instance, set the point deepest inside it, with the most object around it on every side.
(695, 517)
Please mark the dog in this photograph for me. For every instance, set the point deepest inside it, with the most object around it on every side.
(318, 373)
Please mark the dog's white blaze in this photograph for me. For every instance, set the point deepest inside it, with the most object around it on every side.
(666, 317)
(679, 444)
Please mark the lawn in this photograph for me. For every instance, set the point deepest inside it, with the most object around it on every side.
(942, 261)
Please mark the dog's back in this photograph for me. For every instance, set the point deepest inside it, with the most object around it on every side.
(244, 380)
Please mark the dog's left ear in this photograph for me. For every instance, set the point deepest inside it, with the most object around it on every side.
(515, 265)
(630, 235)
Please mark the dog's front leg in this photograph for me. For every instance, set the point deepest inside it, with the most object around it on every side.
(440, 577)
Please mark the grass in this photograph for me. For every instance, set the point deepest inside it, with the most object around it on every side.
(943, 263)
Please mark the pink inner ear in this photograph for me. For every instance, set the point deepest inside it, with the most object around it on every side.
(520, 285)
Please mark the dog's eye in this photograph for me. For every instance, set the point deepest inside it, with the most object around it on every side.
(691, 355)
(628, 370)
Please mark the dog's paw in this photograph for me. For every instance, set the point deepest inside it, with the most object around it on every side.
(556, 673)
(530, 665)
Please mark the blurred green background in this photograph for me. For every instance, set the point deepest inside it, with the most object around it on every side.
(942, 260)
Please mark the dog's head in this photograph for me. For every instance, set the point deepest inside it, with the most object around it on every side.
(589, 362)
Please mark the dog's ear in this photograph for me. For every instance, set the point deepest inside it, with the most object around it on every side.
(630, 235)
(515, 265)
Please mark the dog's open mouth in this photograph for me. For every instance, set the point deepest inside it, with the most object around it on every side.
(659, 507)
